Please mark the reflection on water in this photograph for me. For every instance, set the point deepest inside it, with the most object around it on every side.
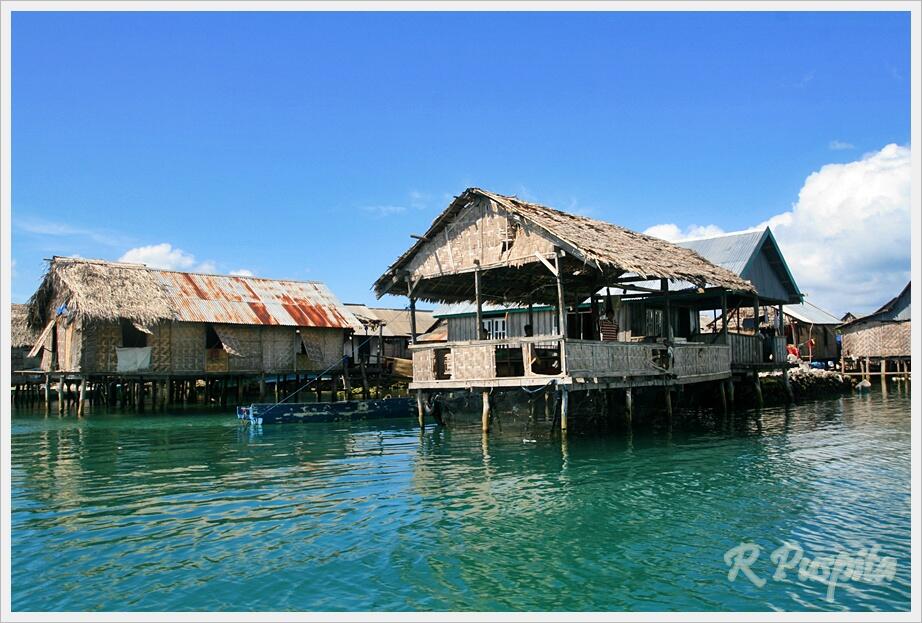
(186, 512)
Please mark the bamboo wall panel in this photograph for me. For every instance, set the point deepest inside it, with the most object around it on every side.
(324, 346)
(878, 339)
(187, 347)
(696, 359)
(424, 365)
(249, 346)
(160, 341)
(279, 346)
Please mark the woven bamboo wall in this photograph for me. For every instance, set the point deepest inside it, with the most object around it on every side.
(279, 345)
(249, 344)
(100, 340)
(424, 365)
(161, 343)
(328, 343)
(187, 347)
(878, 339)
(481, 232)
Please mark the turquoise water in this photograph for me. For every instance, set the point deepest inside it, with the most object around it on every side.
(193, 512)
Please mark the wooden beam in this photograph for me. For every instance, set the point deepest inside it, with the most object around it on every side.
(478, 302)
(544, 261)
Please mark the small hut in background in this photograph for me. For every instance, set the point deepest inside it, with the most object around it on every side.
(881, 337)
(384, 333)
(109, 323)
(22, 366)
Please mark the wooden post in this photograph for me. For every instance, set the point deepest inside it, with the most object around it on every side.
(867, 369)
(531, 317)
(262, 387)
(412, 318)
(479, 304)
(82, 399)
(319, 390)
(139, 396)
(347, 382)
(485, 415)
(562, 313)
(547, 404)
(628, 406)
(61, 394)
(788, 391)
(668, 392)
(365, 390)
(883, 373)
(47, 393)
(757, 386)
(564, 408)
(723, 316)
(154, 394)
(730, 392)
(723, 397)
(223, 390)
(240, 390)
(421, 409)
(667, 309)
(755, 313)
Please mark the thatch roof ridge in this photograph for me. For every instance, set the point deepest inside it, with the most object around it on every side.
(139, 266)
(591, 240)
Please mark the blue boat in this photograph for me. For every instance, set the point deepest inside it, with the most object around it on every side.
(271, 413)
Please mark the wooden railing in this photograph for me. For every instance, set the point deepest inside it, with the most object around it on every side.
(542, 357)
(747, 349)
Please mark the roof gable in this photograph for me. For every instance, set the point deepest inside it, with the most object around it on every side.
(756, 257)
(507, 235)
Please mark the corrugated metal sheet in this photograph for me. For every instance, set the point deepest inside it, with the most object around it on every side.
(731, 251)
(805, 312)
(252, 301)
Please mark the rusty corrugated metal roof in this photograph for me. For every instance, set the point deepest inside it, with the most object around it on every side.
(252, 300)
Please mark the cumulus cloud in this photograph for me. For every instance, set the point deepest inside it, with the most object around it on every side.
(847, 238)
(242, 272)
(840, 145)
(674, 233)
(165, 256)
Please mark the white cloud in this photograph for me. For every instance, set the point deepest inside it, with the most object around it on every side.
(42, 227)
(847, 238)
(674, 233)
(242, 272)
(165, 256)
(837, 145)
(385, 210)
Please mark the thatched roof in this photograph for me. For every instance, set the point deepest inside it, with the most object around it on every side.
(100, 290)
(21, 335)
(597, 254)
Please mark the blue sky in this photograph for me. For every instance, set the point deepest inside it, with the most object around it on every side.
(309, 146)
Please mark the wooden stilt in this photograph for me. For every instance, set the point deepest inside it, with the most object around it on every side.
(564, 408)
(757, 386)
(421, 408)
(628, 406)
(365, 390)
(61, 394)
(548, 405)
(668, 396)
(723, 397)
(47, 393)
(262, 388)
(82, 400)
(883, 372)
(867, 369)
(485, 415)
(788, 391)
(731, 392)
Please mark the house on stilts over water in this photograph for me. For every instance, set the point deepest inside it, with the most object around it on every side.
(881, 338)
(167, 334)
(489, 250)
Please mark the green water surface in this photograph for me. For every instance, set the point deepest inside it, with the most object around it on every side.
(194, 512)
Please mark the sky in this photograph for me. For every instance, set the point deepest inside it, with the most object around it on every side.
(310, 146)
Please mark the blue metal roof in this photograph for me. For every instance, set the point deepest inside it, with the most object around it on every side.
(811, 314)
(754, 256)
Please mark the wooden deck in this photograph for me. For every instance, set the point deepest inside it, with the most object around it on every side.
(582, 364)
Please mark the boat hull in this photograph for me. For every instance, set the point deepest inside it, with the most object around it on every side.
(270, 413)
